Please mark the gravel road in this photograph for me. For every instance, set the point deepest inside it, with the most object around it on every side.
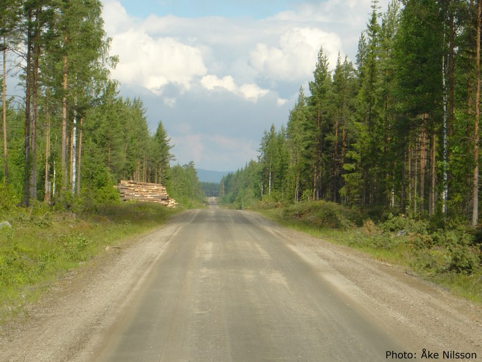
(225, 285)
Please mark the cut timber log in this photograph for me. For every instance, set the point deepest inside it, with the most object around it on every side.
(145, 192)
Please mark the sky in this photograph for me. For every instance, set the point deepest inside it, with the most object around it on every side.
(220, 73)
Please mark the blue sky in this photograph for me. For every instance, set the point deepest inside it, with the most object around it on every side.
(219, 73)
(200, 8)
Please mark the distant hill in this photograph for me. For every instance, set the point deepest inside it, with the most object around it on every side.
(210, 176)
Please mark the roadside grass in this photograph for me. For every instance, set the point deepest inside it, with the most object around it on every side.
(450, 258)
(42, 245)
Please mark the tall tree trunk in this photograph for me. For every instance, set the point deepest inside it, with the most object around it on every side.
(423, 161)
(445, 136)
(269, 180)
(33, 131)
(48, 194)
(404, 177)
(28, 75)
(410, 174)
(433, 174)
(336, 161)
(451, 65)
(63, 157)
(297, 186)
(79, 156)
(318, 160)
(475, 196)
(470, 94)
(413, 173)
(73, 154)
(4, 113)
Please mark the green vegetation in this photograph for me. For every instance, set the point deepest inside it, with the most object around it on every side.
(185, 186)
(393, 138)
(210, 189)
(43, 244)
(66, 141)
(451, 258)
(41, 247)
(72, 137)
(393, 133)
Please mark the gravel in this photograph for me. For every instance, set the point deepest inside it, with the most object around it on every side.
(68, 323)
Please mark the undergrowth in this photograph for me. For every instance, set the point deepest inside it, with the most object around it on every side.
(43, 244)
(450, 256)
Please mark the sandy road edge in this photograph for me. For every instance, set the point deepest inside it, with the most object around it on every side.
(66, 324)
(423, 314)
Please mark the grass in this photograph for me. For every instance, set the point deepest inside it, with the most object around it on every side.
(43, 245)
(449, 258)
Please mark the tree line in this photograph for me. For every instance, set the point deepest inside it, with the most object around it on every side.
(398, 130)
(70, 132)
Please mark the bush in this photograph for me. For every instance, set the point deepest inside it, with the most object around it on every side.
(464, 260)
(323, 214)
(8, 199)
(401, 222)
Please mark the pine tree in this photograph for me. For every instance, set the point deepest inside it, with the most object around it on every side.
(162, 155)
(343, 95)
(296, 122)
(9, 16)
(316, 125)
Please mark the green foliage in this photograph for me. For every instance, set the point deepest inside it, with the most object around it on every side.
(43, 244)
(450, 257)
(8, 199)
(210, 189)
(406, 224)
(184, 186)
(323, 214)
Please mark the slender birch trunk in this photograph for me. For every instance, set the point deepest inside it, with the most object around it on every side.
(28, 75)
(433, 174)
(33, 131)
(79, 156)
(73, 154)
(48, 194)
(445, 138)
(423, 159)
(63, 157)
(4, 113)
(475, 211)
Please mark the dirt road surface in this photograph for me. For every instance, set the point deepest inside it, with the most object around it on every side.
(225, 285)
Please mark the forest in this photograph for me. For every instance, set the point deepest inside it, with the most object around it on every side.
(69, 135)
(385, 149)
(397, 132)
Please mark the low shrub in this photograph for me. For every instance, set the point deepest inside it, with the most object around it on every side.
(323, 214)
(406, 224)
(43, 244)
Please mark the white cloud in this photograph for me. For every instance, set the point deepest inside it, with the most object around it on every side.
(248, 70)
(115, 17)
(211, 82)
(295, 56)
(154, 63)
(217, 149)
(250, 92)
(148, 62)
(280, 101)
(170, 102)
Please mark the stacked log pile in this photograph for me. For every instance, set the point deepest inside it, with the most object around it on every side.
(145, 192)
